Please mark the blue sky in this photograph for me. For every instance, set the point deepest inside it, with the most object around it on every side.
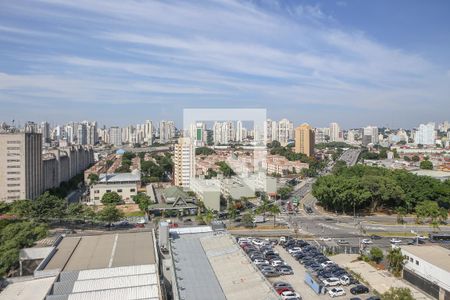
(121, 62)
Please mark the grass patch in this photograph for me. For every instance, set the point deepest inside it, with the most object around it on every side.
(134, 214)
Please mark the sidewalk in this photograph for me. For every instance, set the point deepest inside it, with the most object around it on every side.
(377, 279)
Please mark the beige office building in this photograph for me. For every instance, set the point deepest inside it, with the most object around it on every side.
(184, 161)
(20, 166)
(304, 140)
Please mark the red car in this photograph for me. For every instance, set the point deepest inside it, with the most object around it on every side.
(283, 289)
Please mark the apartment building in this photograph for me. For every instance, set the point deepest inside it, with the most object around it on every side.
(304, 140)
(184, 161)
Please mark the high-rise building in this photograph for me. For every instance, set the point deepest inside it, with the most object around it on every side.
(285, 131)
(45, 131)
(351, 136)
(82, 134)
(148, 132)
(322, 135)
(184, 162)
(166, 131)
(239, 137)
(115, 136)
(370, 134)
(425, 134)
(335, 132)
(198, 134)
(20, 166)
(304, 140)
(91, 132)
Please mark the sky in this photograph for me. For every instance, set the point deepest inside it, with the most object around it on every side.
(385, 63)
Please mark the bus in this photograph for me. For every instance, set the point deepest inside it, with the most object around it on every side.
(439, 237)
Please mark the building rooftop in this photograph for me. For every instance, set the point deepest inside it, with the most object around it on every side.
(119, 177)
(210, 266)
(435, 255)
(132, 282)
(102, 251)
(28, 289)
(442, 175)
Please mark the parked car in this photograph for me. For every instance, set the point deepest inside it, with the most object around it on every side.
(374, 298)
(395, 241)
(342, 242)
(289, 294)
(283, 289)
(366, 241)
(333, 281)
(375, 237)
(345, 280)
(285, 270)
(359, 289)
(336, 292)
(270, 273)
(281, 284)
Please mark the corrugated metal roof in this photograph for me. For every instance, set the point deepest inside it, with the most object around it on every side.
(115, 282)
(116, 272)
(131, 293)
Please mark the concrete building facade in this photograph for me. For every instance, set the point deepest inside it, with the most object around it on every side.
(304, 140)
(184, 162)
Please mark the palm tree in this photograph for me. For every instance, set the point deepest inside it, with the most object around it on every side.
(232, 212)
(209, 216)
(396, 261)
(263, 208)
(274, 210)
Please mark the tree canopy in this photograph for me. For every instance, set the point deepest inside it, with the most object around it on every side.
(374, 187)
(426, 165)
(397, 294)
(111, 198)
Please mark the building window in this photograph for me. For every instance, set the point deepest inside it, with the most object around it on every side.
(13, 179)
(108, 191)
(13, 191)
(13, 167)
(119, 190)
(411, 259)
(417, 262)
(12, 148)
(13, 142)
(96, 191)
(96, 198)
(132, 190)
(13, 184)
(12, 173)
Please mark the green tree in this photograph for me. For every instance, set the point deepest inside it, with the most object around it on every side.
(284, 192)
(232, 212)
(401, 213)
(415, 158)
(22, 208)
(208, 216)
(376, 255)
(47, 207)
(75, 211)
(426, 165)
(110, 214)
(247, 220)
(274, 210)
(397, 294)
(396, 261)
(93, 178)
(143, 201)
(264, 207)
(406, 158)
(111, 198)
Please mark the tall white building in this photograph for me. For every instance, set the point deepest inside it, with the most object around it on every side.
(198, 134)
(335, 132)
(82, 134)
(115, 136)
(321, 135)
(92, 133)
(239, 137)
(425, 134)
(148, 132)
(166, 131)
(351, 136)
(184, 162)
(270, 131)
(285, 131)
(372, 132)
(45, 131)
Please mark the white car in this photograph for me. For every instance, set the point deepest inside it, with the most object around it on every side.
(277, 263)
(336, 292)
(332, 281)
(327, 263)
(261, 262)
(288, 294)
(366, 241)
(325, 239)
(345, 280)
(258, 242)
(395, 241)
(295, 250)
(282, 239)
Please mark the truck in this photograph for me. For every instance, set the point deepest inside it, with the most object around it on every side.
(259, 219)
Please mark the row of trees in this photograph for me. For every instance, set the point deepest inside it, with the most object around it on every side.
(361, 187)
(154, 171)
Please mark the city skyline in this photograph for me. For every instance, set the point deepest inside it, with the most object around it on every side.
(314, 62)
